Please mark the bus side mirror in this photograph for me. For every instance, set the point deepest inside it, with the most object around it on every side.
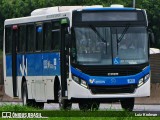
(68, 40)
(151, 37)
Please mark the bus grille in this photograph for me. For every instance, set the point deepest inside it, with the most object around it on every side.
(106, 70)
(112, 89)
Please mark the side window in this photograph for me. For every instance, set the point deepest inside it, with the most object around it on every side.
(47, 27)
(30, 38)
(22, 38)
(8, 40)
(55, 44)
(39, 37)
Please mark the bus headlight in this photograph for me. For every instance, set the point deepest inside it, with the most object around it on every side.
(84, 83)
(146, 77)
(140, 82)
(76, 79)
(143, 80)
(80, 81)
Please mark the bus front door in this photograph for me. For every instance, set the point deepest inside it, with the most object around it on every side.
(14, 59)
(64, 59)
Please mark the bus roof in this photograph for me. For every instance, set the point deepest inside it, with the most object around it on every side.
(109, 8)
(39, 18)
(60, 12)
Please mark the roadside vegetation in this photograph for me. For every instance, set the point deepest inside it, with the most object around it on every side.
(1, 54)
(20, 8)
(79, 115)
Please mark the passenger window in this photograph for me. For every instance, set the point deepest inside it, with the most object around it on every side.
(47, 36)
(30, 38)
(39, 37)
(22, 39)
(8, 40)
(55, 44)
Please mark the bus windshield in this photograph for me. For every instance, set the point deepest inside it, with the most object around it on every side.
(110, 45)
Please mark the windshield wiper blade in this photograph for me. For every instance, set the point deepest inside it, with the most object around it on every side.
(99, 35)
(123, 33)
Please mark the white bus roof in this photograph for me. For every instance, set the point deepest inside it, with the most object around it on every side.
(57, 9)
(47, 14)
(39, 18)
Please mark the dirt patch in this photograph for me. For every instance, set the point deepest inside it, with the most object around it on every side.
(6, 98)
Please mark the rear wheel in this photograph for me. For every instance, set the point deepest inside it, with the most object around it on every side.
(89, 106)
(127, 104)
(27, 102)
(63, 103)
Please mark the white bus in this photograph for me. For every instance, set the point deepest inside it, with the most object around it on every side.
(86, 55)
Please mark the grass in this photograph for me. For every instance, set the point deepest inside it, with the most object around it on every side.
(6, 107)
(25, 109)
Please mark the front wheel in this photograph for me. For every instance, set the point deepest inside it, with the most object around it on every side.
(39, 105)
(63, 103)
(93, 106)
(127, 104)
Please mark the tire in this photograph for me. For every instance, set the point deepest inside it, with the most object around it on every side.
(26, 102)
(127, 104)
(93, 106)
(64, 104)
(39, 105)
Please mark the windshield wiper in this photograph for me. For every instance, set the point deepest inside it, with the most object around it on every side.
(121, 37)
(99, 35)
(123, 33)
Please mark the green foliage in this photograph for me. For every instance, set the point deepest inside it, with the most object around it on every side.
(11, 107)
(21, 8)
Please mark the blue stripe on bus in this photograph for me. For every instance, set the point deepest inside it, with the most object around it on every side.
(111, 80)
(101, 9)
(39, 64)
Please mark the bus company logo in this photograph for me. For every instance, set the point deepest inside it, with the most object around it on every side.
(23, 66)
(113, 80)
(92, 81)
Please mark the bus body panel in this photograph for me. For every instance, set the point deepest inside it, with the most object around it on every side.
(82, 92)
(39, 70)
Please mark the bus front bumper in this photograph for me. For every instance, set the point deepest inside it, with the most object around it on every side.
(77, 91)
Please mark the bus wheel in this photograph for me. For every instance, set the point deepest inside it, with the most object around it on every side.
(127, 104)
(63, 103)
(39, 105)
(93, 106)
(25, 95)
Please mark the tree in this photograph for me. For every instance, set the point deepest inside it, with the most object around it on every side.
(21, 8)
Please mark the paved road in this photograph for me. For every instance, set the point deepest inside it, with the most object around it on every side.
(108, 107)
(113, 106)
